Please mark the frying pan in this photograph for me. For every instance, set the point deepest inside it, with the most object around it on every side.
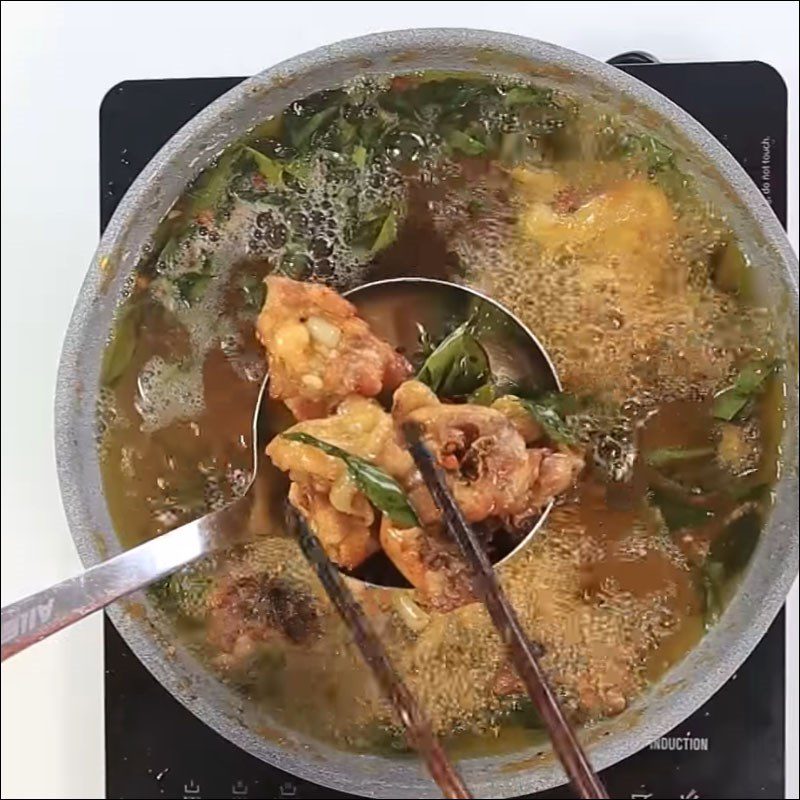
(773, 566)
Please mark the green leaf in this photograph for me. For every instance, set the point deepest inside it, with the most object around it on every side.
(525, 715)
(657, 156)
(294, 264)
(527, 96)
(753, 375)
(484, 395)
(677, 514)
(426, 346)
(497, 386)
(476, 207)
(549, 409)
(271, 170)
(167, 256)
(458, 366)
(255, 292)
(372, 130)
(302, 135)
(380, 488)
(359, 156)
(674, 182)
(215, 184)
(191, 286)
(387, 233)
(299, 170)
(270, 128)
(120, 350)
(730, 269)
(729, 403)
(729, 554)
(512, 147)
(669, 455)
(545, 410)
(379, 739)
(733, 547)
(375, 230)
(189, 590)
(347, 133)
(466, 144)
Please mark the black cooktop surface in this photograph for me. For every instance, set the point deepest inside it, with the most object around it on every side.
(733, 747)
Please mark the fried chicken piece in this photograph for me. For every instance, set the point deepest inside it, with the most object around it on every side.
(430, 563)
(347, 538)
(490, 470)
(323, 489)
(246, 611)
(320, 351)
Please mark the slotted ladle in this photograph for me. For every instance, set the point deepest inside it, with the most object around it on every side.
(395, 309)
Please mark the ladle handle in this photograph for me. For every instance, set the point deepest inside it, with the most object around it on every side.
(38, 616)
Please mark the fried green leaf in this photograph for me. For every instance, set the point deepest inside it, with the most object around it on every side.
(380, 488)
(678, 514)
(547, 411)
(458, 366)
(270, 169)
(466, 144)
(550, 409)
(120, 350)
(484, 395)
(670, 455)
(527, 96)
(376, 230)
(426, 345)
(658, 155)
(295, 264)
(168, 254)
(302, 135)
(387, 233)
(512, 147)
(191, 286)
(730, 269)
(728, 555)
(733, 547)
(746, 489)
(215, 184)
(729, 403)
(255, 292)
(359, 156)
(299, 170)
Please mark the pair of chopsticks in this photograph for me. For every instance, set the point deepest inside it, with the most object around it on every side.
(522, 653)
(523, 657)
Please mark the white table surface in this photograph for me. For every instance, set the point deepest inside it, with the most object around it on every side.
(58, 60)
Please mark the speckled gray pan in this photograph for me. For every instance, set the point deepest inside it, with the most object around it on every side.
(774, 564)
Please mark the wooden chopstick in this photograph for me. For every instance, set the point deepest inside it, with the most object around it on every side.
(522, 653)
(418, 728)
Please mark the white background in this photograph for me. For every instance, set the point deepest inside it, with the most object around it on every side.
(58, 60)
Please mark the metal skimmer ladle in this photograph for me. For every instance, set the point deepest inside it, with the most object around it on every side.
(394, 309)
